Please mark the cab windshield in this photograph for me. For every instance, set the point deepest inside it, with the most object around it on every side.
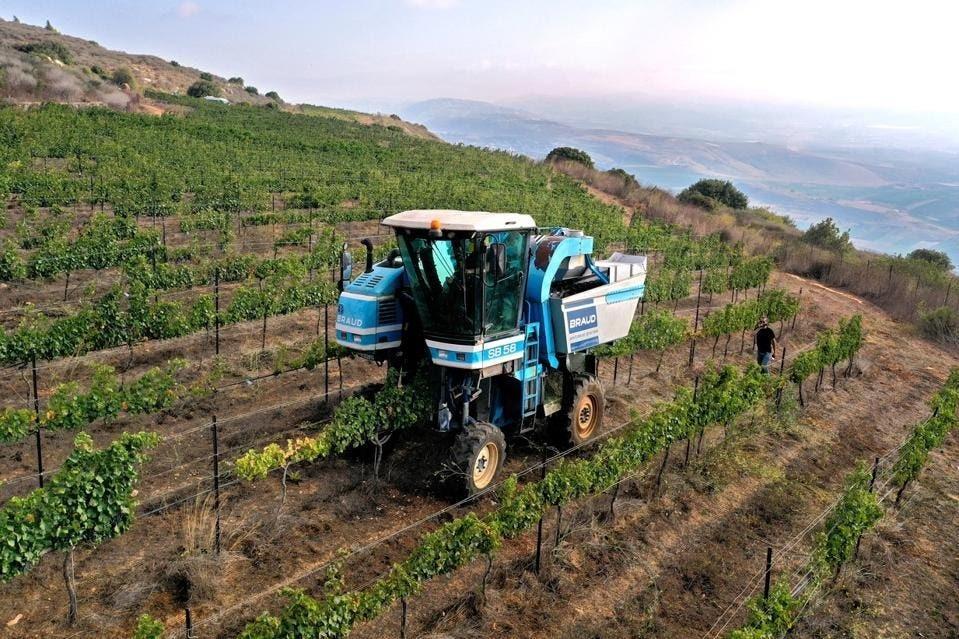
(466, 286)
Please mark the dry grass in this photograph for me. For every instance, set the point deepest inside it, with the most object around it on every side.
(756, 230)
(906, 289)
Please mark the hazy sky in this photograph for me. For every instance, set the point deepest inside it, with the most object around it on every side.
(877, 54)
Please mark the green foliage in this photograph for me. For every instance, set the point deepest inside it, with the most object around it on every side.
(770, 618)
(356, 421)
(715, 281)
(202, 89)
(123, 75)
(11, 264)
(148, 628)
(251, 90)
(929, 434)
(70, 409)
(52, 50)
(668, 286)
(236, 80)
(206, 76)
(273, 95)
(941, 324)
(750, 273)
(777, 305)
(832, 347)
(655, 330)
(87, 501)
(856, 512)
(708, 193)
(460, 541)
(569, 154)
(826, 234)
(939, 259)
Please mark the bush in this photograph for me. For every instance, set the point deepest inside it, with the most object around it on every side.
(251, 90)
(826, 235)
(235, 80)
(569, 154)
(936, 258)
(941, 324)
(273, 95)
(49, 27)
(122, 76)
(203, 88)
(174, 63)
(206, 76)
(52, 50)
(719, 191)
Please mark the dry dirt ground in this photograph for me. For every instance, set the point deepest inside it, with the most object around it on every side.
(665, 566)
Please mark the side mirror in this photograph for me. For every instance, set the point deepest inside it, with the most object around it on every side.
(496, 261)
(346, 266)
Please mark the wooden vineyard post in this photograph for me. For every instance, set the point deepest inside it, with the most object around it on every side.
(793, 326)
(539, 525)
(769, 572)
(189, 623)
(36, 412)
(216, 310)
(782, 367)
(403, 616)
(659, 475)
(559, 524)
(692, 342)
(215, 435)
(612, 501)
(326, 353)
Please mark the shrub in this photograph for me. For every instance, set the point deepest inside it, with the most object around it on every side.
(569, 154)
(235, 80)
(49, 27)
(717, 191)
(202, 88)
(826, 235)
(941, 324)
(174, 63)
(52, 50)
(206, 76)
(251, 90)
(122, 76)
(936, 258)
(273, 95)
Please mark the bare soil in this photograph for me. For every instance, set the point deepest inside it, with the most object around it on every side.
(665, 566)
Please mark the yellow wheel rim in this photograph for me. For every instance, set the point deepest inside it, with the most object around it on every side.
(586, 417)
(485, 465)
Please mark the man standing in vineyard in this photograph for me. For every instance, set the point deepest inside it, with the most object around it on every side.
(765, 340)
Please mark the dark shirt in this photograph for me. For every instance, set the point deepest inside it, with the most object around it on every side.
(764, 339)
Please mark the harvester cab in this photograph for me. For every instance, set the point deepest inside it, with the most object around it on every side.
(504, 316)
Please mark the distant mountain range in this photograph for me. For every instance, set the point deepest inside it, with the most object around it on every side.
(892, 200)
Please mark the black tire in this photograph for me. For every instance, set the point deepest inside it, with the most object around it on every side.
(474, 444)
(584, 406)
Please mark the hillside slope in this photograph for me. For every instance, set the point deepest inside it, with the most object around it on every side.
(86, 78)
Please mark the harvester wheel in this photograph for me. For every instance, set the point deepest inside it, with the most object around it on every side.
(479, 452)
(584, 407)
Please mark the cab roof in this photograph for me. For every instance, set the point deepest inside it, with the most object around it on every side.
(460, 220)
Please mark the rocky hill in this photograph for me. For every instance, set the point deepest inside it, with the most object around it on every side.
(39, 64)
